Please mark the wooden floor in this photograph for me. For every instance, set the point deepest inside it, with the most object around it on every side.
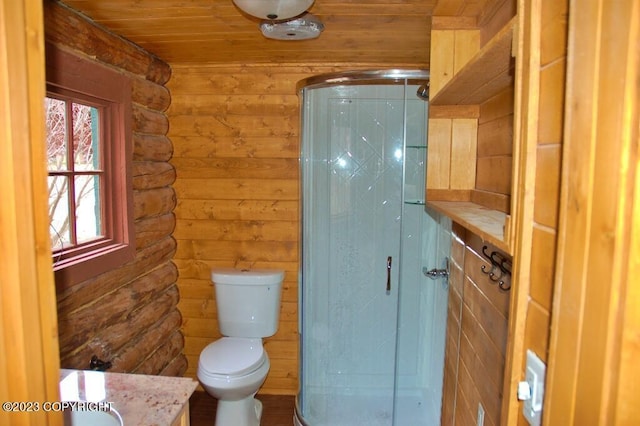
(277, 410)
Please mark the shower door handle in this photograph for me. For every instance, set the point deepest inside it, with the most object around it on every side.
(389, 259)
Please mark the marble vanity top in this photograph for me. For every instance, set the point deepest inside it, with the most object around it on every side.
(140, 399)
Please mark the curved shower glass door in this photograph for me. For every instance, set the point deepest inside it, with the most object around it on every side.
(363, 159)
(352, 248)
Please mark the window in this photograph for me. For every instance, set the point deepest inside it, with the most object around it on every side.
(76, 174)
(88, 131)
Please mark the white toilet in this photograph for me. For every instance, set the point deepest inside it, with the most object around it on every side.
(233, 368)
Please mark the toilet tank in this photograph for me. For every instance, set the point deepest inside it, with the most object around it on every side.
(248, 302)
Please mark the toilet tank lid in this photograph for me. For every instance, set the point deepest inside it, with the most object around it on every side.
(247, 277)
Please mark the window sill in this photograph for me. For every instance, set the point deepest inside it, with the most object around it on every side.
(74, 270)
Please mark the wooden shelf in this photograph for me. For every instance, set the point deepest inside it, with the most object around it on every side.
(487, 73)
(486, 223)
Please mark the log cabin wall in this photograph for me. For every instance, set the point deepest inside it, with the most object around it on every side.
(235, 130)
(128, 316)
(477, 330)
(236, 156)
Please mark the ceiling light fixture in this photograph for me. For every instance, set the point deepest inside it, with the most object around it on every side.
(274, 9)
(305, 27)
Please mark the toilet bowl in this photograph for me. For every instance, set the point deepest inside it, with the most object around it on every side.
(233, 368)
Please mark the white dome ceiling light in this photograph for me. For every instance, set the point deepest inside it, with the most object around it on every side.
(274, 9)
(305, 27)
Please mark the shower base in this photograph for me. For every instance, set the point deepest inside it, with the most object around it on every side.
(412, 408)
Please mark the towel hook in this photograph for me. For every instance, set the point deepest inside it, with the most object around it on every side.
(499, 263)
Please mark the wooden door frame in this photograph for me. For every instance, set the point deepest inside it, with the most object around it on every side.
(29, 360)
(595, 343)
(525, 132)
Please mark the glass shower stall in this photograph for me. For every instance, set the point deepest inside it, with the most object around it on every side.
(372, 324)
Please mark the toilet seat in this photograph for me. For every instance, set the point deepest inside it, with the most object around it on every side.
(232, 356)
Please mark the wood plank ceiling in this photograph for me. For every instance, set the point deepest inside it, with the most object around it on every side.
(380, 32)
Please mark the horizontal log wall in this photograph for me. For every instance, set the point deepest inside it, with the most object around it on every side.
(128, 316)
(475, 346)
(235, 130)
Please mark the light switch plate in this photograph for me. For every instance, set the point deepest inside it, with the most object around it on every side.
(534, 376)
(480, 416)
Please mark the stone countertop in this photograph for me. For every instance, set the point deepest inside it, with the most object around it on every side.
(140, 399)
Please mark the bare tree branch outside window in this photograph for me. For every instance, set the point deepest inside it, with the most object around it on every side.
(74, 172)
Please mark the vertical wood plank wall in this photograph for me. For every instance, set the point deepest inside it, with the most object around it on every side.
(235, 131)
(472, 144)
(451, 171)
(540, 127)
(593, 359)
(477, 328)
(29, 362)
(128, 316)
(553, 25)
(478, 312)
(552, 83)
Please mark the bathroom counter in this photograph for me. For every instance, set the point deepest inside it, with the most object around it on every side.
(140, 399)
